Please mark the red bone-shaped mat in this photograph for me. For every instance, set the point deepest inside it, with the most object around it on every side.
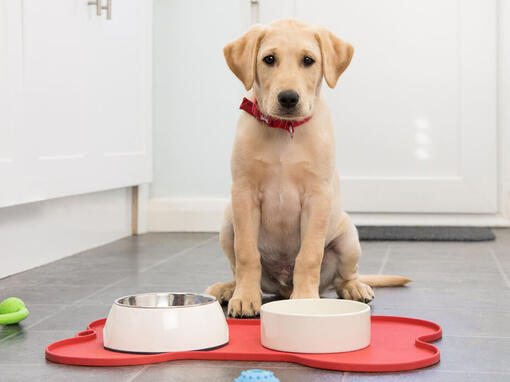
(397, 343)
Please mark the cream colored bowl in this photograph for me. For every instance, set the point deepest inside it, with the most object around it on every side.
(315, 325)
(165, 322)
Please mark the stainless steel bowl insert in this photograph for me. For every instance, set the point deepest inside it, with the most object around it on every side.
(165, 300)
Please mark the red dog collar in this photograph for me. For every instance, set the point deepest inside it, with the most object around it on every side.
(253, 109)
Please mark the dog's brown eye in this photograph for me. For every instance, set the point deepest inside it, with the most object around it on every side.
(307, 61)
(269, 60)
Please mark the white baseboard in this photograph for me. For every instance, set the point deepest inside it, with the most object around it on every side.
(185, 214)
(205, 215)
(481, 220)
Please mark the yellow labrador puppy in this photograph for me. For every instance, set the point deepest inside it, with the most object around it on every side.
(284, 231)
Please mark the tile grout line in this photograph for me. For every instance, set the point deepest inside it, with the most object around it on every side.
(474, 373)
(444, 336)
(500, 268)
(180, 253)
(346, 373)
(276, 366)
(170, 257)
(64, 308)
(384, 260)
(108, 286)
(379, 272)
(141, 271)
(138, 373)
(486, 337)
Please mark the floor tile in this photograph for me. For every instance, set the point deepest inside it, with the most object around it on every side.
(502, 236)
(374, 246)
(502, 261)
(8, 331)
(68, 274)
(37, 312)
(455, 322)
(471, 354)
(28, 346)
(466, 298)
(460, 357)
(487, 265)
(74, 318)
(456, 258)
(48, 293)
(137, 252)
(440, 249)
(176, 281)
(214, 371)
(372, 256)
(370, 263)
(440, 279)
(51, 372)
(206, 258)
(427, 376)
(455, 285)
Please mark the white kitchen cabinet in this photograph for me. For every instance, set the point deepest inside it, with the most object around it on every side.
(10, 77)
(416, 112)
(76, 93)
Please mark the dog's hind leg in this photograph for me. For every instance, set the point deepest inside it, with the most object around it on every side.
(348, 249)
(223, 291)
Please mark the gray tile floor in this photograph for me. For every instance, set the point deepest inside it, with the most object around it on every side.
(464, 287)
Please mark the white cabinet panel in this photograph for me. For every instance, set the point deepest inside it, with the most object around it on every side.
(5, 128)
(196, 96)
(10, 78)
(415, 113)
(85, 117)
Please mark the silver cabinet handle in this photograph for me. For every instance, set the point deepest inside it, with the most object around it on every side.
(99, 7)
(108, 9)
(97, 3)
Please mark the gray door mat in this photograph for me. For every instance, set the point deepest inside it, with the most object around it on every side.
(404, 233)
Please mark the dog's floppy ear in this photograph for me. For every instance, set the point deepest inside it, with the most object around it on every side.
(241, 55)
(336, 55)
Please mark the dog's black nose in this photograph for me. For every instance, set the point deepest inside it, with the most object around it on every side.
(288, 99)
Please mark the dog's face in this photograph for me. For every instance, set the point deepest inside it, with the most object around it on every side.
(285, 62)
(288, 72)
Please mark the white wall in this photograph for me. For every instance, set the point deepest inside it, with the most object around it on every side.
(37, 233)
(192, 176)
(193, 132)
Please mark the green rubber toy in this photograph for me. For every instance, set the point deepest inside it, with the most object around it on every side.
(12, 311)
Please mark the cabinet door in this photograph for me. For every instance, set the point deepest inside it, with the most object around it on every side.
(196, 96)
(415, 113)
(85, 105)
(10, 83)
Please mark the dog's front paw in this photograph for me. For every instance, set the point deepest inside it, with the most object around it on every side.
(245, 304)
(222, 291)
(355, 290)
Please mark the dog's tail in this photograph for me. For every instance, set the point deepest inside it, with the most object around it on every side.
(384, 280)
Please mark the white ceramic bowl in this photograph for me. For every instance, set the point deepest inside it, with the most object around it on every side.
(165, 322)
(315, 325)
